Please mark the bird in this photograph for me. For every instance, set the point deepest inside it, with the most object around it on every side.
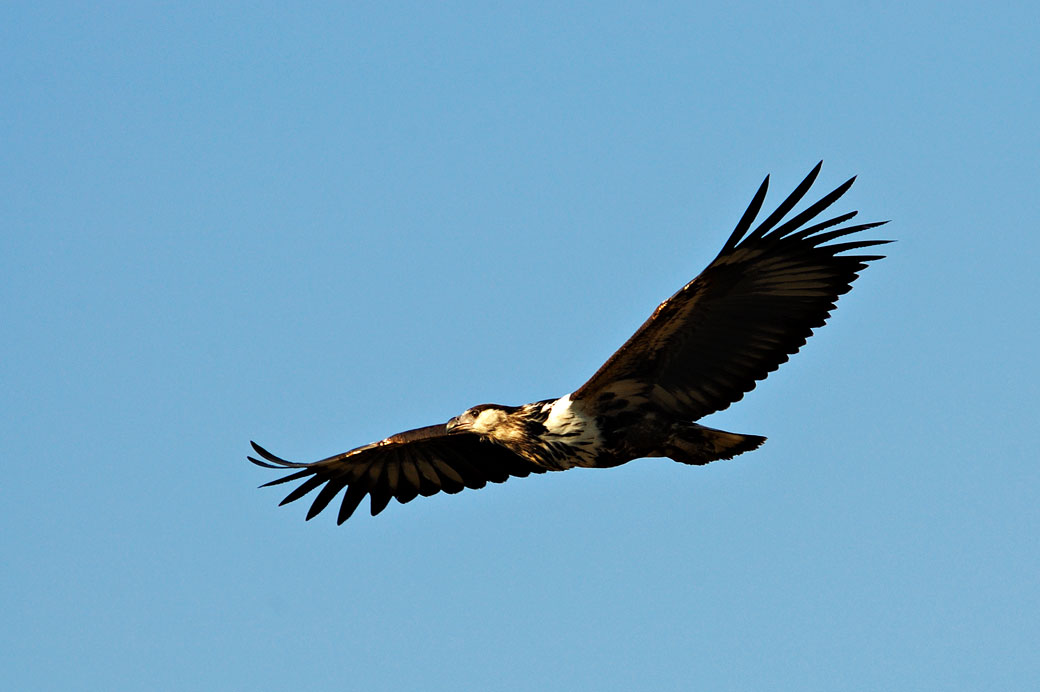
(701, 350)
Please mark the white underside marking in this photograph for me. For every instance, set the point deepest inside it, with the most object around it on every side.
(567, 423)
(561, 418)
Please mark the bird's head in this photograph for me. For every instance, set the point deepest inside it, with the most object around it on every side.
(490, 420)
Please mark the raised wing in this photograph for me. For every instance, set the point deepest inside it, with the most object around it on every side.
(423, 462)
(744, 315)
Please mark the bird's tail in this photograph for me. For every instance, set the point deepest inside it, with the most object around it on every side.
(690, 443)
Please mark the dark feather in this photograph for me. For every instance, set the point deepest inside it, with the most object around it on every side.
(424, 461)
(745, 314)
(701, 350)
(351, 499)
(787, 205)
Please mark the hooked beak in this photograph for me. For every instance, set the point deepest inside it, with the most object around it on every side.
(452, 425)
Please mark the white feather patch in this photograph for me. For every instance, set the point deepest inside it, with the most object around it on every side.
(568, 422)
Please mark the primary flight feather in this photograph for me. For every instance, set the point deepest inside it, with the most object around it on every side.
(701, 350)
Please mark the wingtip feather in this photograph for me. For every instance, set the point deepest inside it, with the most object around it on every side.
(788, 204)
(747, 218)
(263, 463)
(267, 455)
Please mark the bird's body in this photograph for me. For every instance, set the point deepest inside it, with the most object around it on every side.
(700, 351)
(559, 434)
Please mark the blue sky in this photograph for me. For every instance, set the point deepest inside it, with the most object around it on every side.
(314, 227)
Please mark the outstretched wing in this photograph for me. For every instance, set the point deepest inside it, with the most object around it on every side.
(423, 462)
(743, 316)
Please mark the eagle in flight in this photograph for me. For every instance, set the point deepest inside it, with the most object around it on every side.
(700, 351)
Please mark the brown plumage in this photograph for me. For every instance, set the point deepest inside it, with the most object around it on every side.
(423, 462)
(747, 312)
(700, 351)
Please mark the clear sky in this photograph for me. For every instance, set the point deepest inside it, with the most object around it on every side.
(316, 226)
